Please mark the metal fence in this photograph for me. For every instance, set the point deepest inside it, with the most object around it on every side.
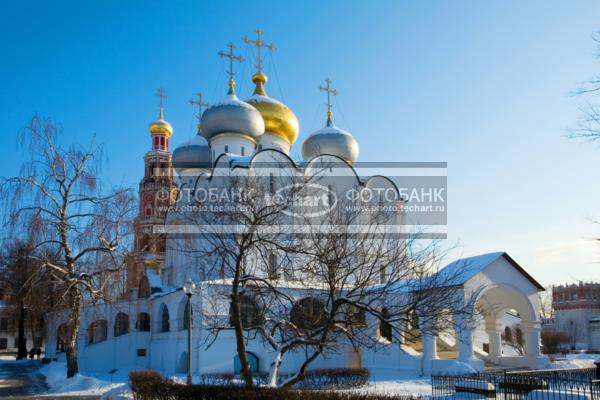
(556, 384)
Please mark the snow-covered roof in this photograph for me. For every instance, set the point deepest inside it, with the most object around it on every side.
(460, 271)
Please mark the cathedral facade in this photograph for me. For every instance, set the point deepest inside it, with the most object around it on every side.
(148, 327)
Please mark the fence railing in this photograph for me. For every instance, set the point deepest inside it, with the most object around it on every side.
(555, 384)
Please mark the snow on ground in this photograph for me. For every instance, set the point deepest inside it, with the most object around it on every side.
(578, 360)
(383, 381)
(395, 382)
(106, 385)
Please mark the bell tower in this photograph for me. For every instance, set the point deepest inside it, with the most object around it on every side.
(156, 193)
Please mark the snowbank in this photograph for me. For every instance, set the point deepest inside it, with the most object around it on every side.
(83, 385)
(457, 368)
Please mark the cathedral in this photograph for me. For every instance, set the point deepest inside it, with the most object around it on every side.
(147, 327)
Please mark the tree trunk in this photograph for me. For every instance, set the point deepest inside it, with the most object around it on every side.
(74, 323)
(274, 373)
(236, 320)
(21, 340)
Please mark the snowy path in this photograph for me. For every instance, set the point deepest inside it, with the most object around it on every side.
(20, 378)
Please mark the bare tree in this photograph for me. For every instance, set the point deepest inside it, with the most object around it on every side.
(588, 126)
(545, 297)
(317, 282)
(78, 234)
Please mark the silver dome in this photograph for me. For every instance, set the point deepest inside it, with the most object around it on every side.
(331, 140)
(232, 116)
(194, 153)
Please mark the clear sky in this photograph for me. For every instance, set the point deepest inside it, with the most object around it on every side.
(483, 85)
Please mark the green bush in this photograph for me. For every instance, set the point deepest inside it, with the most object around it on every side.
(149, 385)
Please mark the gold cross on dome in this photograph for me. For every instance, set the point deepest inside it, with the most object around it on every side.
(327, 88)
(232, 57)
(162, 95)
(259, 46)
(200, 104)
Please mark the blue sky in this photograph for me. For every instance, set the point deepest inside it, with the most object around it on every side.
(482, 85)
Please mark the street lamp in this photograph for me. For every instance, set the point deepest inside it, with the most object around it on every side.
(188, 289)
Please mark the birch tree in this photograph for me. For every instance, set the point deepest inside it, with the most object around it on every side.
(79, 234)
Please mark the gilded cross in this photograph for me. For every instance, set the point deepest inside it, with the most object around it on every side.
(232, 57)
(327, 88)
(162, 95)
(198, 103)
(259, 45)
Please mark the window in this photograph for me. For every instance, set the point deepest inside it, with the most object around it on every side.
(226, 149)
(260, 147)
(308, 313)
(143, 322)
(243, 150)
(121, 324)
(3, 343)
(250, 313)
(272, 268)
(97, 331)
(3, 324)
(385, 328)
(356, 316)
(271, 183)
(185, 323)
(16, 344)
(164, 319)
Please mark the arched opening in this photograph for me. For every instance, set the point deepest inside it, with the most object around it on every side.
(250, 312)
(184, 309)
(121, 324)
(412, 332)
(509, 327)
(252, 360)
(385, 328)
(143, 322)
(308, 313)
(164, 324)
(61, 337)
(97, 331)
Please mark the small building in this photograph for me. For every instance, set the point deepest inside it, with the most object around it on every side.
(577, 314)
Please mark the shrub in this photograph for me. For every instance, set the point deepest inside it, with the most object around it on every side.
(335, 378)
(553, 340)
(149, 385)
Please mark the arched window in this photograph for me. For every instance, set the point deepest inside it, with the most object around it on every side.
(164, 319)
(143, 322)
(121, 324)
(97, 331)
(272, 268)
(144, 288)
(308, 313)
(356, 316)
(186, 320)
(385, 328)
(250, 312)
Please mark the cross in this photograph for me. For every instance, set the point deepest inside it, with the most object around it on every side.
(259, 45)
(162, 95)
(232, 58)
(327, 88)
(198, 103)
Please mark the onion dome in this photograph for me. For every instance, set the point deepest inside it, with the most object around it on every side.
(232, 116)
(331, 140)
(279, 119)
(194, 153)
(160, 126)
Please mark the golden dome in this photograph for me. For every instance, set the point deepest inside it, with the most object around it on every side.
(160, 126)
(279, 119)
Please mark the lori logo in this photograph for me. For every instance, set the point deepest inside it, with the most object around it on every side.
(307, 200)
